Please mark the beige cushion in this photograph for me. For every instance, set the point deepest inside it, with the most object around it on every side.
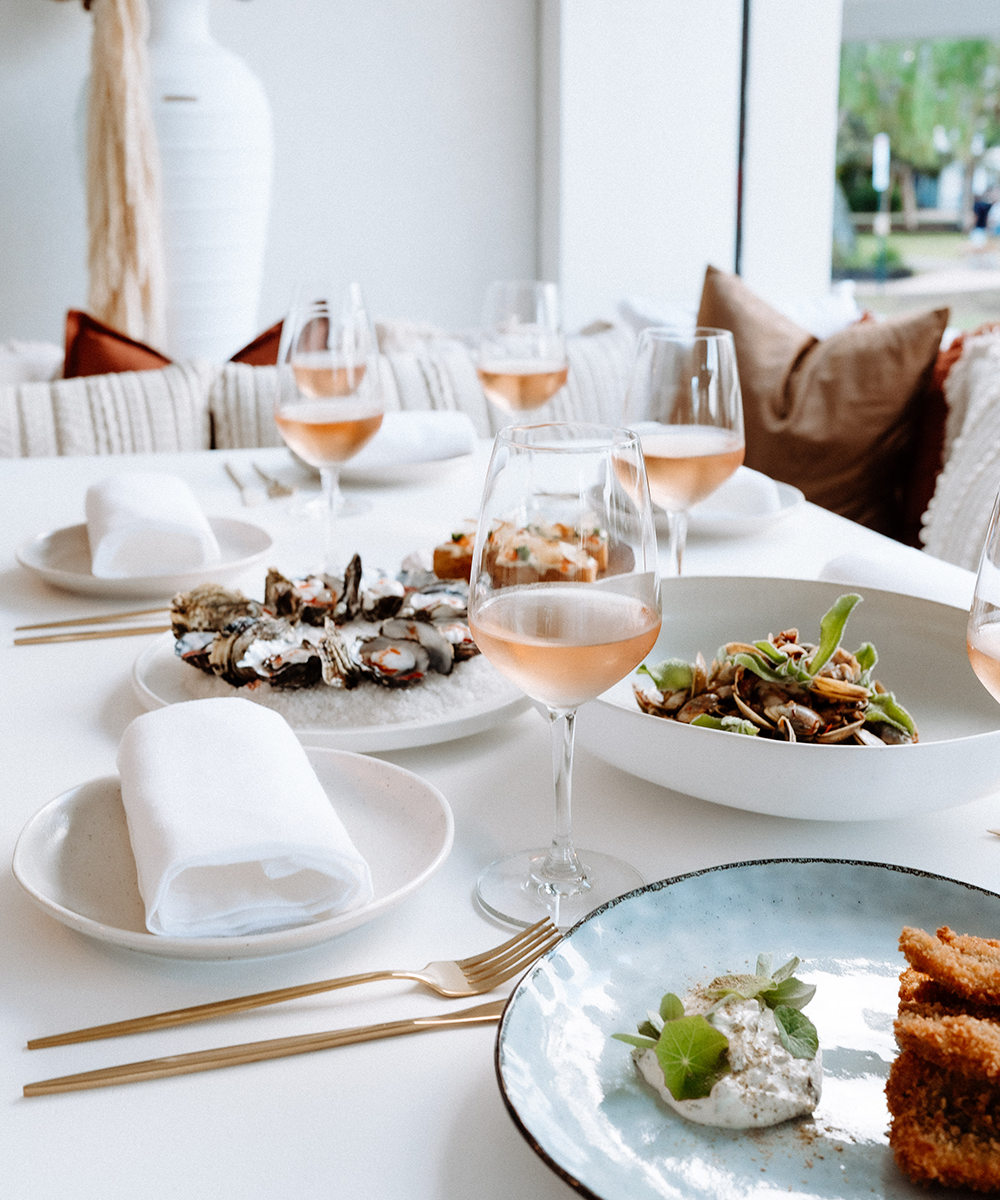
(133, 412)
(837, 418)
(955, 524)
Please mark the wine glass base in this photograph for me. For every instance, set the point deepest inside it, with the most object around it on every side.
(511, 889)
(347, 506)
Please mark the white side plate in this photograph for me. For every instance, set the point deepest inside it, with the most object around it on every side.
(62, 558)
(74, 859)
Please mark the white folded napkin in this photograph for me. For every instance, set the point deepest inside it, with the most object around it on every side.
(745, 493)
(417, 437)
(146, 523)
(906, 570)
(231, 830)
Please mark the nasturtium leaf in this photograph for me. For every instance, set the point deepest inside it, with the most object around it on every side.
(691, 1055)
(797, 1033)
(671, 1007)
(671, 675)
(831, 630)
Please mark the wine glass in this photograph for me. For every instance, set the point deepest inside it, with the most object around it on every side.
(684, 401)
(564, 601)
(522, 351)
(329, 399)
(983, 631)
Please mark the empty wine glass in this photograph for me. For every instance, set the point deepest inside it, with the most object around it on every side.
(564, 601)
(329, 398)
(522, 351)
(684, 401)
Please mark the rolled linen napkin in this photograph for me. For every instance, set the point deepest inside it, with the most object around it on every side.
(231, 830)
(746, 493)
(417, 437)
(146, 523)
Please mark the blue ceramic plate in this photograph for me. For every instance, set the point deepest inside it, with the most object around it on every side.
(575, 1094)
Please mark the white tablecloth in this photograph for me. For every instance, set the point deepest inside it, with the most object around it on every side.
(416, 1117)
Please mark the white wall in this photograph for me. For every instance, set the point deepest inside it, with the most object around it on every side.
(405, 134)
(790, 153)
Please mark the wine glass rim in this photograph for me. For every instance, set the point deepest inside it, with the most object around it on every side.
(670, 333)
(582, 436)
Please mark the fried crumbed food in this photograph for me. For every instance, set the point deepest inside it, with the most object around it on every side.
(945, 1127)
(967, 965)
(942, 1089)
(958, 1043)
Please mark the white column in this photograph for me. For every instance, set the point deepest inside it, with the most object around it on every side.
(639, 132)
(790, 154)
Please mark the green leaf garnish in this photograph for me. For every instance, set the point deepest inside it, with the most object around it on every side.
(644, 1043)
(789, 993)
(691, 1055)
(884, 707)
(726, 724)
(671, 675)
(831, 630)
(797, 1033)
(867, 656)
(523, 553)
(671, 1008)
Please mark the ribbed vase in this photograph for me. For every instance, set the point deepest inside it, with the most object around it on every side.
(213, 125)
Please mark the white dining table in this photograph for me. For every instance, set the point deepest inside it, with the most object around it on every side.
(419, 1117)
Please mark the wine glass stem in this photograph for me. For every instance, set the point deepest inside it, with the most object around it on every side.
(561, 864)
(330, 478)
(678, 523)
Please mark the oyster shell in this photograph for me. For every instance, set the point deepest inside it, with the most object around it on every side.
(209, 606)
(440, 651)
(394, 662)
(339, 669)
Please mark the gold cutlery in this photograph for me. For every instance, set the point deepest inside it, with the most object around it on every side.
(249, 495)
(275, 488)
(91, 635)
(103, 619)
(232, 1056)
(462, 977)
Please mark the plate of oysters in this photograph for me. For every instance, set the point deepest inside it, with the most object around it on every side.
(366, 662)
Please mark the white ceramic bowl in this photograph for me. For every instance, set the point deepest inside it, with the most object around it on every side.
(922, 658)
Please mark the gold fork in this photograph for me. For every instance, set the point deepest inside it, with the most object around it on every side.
(275, 488)
(461, 977)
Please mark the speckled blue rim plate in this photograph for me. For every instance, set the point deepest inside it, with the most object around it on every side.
(574, 1092)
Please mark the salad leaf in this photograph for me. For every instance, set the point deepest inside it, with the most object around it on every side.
(727, 724)
(691, 1055)
(671, 675)
(671, 1008)
(831, 630)
(789, 993)
(797, 1033)
(867, 656)
(644, 1043)
(883, 707)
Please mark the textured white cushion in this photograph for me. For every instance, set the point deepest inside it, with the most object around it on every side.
(956, 520)
(435, 374)
(134, 412)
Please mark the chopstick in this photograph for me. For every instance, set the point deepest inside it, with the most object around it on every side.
(232, 1056)
(104, 619)
(91, 635)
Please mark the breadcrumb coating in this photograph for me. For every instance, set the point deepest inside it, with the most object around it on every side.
(957, 1043)
(967, 965)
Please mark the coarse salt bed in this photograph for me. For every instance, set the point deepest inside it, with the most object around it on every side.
(437, 697)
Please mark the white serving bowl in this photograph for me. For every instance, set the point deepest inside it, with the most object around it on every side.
(922, 659)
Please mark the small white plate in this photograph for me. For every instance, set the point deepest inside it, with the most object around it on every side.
(74, 858)
(158, 678)
(721, 515)
(62, 558)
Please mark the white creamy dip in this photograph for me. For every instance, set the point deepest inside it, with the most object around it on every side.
(765, 1085)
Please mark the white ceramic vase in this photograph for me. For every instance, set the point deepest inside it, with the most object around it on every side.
(213, 126)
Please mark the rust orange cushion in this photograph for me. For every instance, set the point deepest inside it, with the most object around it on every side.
(93, 348)
(837, 418)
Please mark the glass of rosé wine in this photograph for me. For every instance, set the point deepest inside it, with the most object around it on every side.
(564, 601)
(983, 632)
(329, 400)
(684, 401)
(522, 352)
